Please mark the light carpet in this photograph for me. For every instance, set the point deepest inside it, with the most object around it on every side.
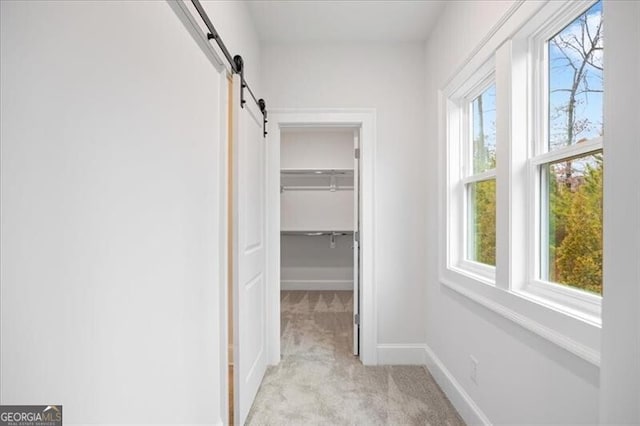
(320, 382)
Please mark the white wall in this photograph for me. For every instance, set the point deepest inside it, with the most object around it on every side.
(304, 210)
(109, 204)
(390, 78)
(316, 210)
(316, 149)
(620, 374)
(522, 378)
(309, 263)
(234, 23)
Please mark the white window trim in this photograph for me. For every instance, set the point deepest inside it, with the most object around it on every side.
(564, 325)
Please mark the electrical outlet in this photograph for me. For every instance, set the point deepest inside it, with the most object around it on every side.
(474, 369)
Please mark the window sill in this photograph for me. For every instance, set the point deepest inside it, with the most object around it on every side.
(476, 271)
(570, 332)
(579, 305)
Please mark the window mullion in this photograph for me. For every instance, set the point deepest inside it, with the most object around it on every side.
(512, 149)
(503, 154)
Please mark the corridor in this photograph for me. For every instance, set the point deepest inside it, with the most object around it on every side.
(320, 212)
(319, 381)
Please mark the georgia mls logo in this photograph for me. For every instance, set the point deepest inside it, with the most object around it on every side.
(30, 415)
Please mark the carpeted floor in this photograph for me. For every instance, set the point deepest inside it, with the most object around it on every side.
(320, 382)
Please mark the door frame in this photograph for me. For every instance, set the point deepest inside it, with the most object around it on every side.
(365, 119)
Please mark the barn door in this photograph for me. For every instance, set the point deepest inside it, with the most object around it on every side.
(249, 293)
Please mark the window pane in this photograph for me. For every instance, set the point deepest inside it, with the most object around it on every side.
(483, 129)
(482, 222)
(573, 219)
(575, 80)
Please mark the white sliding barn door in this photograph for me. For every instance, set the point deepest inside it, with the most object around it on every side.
(249, 267)
(356, 243)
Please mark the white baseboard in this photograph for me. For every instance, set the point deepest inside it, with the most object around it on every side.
(401, 354)
(316, 285)
(466, 407)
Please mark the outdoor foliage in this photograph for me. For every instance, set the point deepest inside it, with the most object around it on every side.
(484, 197)
(575, 228)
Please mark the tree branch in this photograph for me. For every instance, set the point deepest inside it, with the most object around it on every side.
(569, 61)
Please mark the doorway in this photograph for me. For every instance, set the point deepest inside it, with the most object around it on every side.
(340, 239)
(319, 223)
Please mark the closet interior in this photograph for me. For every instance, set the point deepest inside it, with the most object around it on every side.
(319, 211)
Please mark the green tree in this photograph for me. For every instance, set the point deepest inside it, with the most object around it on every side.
(485, 221)
(560, 198)
(579, 254)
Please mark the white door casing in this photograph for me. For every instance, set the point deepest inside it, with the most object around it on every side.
(365, 120)
(249, 253)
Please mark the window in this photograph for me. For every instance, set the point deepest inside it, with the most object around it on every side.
(481, 184)
(472, 125)
(523, 190)
(570, 158)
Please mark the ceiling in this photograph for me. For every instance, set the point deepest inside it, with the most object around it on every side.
(296, 21)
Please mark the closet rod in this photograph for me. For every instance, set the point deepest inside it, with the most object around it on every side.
(317, 172)
(236, 63)
(318, 233)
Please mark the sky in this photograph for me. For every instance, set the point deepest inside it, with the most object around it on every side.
(589, 105)
(489, 122)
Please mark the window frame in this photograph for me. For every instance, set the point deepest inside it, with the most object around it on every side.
(469, 177)
(461, 102)
(585, 305)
